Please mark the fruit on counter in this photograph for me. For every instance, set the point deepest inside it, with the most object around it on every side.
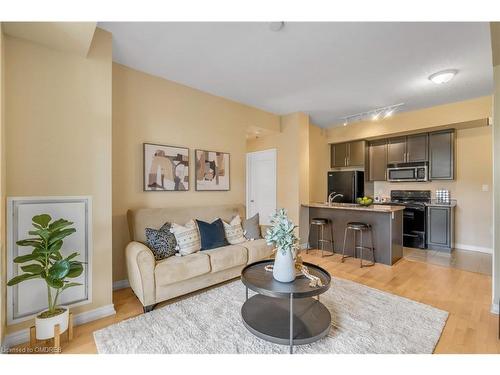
(365, 201)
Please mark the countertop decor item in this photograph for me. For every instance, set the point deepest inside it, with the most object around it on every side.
(285, 314)
(282, 235)
(365, 201)
(46, 262)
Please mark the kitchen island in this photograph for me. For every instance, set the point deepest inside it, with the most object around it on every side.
(386, 222)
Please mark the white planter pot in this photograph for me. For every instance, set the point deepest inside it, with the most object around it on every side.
(284, 267)
(45, 326)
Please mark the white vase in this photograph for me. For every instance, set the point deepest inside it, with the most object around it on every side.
(284, 266)
(45, 326)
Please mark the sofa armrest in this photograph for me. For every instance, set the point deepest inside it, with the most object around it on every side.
(141, 272)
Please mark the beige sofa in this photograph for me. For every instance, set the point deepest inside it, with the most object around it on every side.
(154, 282)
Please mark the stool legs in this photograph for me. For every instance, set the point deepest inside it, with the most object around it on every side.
(361, 247)
(343, 248)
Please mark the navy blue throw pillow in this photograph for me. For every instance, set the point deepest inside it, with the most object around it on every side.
(212, 235)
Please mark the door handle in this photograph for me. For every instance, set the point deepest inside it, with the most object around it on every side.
(251, 200)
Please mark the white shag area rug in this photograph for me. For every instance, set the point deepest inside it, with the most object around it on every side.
(364, 320)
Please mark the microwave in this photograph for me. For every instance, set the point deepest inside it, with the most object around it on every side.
(408, 172)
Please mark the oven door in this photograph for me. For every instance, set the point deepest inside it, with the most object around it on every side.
(414, 219)
(402, 174)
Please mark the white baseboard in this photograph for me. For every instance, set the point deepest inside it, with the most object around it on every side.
(121, 284)
(480, 249)
(495, 308)
(23, 335)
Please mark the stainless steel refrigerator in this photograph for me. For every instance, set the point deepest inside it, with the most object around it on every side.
(351, 184)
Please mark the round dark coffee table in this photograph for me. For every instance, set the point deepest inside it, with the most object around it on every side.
(285, 313)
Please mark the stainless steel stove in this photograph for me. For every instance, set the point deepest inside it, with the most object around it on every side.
(414, 215)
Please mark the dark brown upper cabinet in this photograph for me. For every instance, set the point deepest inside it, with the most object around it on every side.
(417, 147)
(441, 155)
(396, 150)
(407, 149)
(377, 160)
(349, 154)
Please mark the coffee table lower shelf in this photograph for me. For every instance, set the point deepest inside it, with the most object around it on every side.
(269, 318)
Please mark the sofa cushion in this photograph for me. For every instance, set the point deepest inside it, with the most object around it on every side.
(161, 242)
(187, 237)
(234, 231)
(212, 234)
(251, 228)
(226, 257)
(175, 269)
(257, 250)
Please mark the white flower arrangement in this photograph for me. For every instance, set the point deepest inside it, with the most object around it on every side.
(281, 233)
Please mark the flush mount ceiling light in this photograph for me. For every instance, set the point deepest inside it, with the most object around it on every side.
(276, 26)
(443, 76)
(374, 114)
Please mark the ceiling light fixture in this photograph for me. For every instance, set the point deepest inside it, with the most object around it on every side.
(443, 76)
(373, 115)
(276, 26)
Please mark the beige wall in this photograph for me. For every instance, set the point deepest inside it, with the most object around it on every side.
(2, 193)
(152, 109)
(58, 126)
(474, 212)
(496, 181)
(413, 121)
(291, 160)
(319, 163)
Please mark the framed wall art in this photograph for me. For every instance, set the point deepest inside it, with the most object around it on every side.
(166, 168)
(212, 170)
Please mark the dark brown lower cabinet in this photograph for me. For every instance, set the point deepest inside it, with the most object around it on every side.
(440, 228)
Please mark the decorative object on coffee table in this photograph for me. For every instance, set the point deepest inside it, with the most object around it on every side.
(166, 168)
(46, 262)
(285, 313)
(212, 170)
(281, 234)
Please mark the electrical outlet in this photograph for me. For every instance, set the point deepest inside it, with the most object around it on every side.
(486, 187)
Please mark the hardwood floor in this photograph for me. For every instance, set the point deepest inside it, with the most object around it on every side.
(470, 328)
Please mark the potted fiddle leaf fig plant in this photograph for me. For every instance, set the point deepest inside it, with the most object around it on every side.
(282, 235)
(46, 262)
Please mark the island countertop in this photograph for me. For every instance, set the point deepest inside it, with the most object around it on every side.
(355, 207)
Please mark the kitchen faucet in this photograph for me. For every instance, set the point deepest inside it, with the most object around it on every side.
(332, 197)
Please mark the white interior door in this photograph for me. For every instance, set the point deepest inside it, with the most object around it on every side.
(261, 184)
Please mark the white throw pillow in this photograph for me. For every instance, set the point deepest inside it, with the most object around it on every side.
(234, 231)
(187, 236)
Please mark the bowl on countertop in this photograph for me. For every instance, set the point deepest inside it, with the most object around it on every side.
(364, 202)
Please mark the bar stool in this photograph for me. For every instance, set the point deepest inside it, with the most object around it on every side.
(358, 227)
(321, 223)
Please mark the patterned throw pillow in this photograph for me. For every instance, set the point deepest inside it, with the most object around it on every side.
(161, 242)
(187, 236)
(234, 231)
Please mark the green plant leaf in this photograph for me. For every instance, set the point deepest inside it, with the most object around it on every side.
(43, 220)
(56, 256)
(29, 242)
(43, 233)
(54, 282)
(69, 285)
(71, 256)
(59, 224)
(59, 235)
(56, 246)
(35, 269)
(26, 258)
(76, 269)
(20, 278)
(59, 270)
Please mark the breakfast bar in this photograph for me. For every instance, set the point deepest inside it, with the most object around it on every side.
(386, 222)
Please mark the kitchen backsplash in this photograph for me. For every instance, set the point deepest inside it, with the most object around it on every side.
(383, 188)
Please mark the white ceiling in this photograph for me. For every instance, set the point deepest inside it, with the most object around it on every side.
(327, 70)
